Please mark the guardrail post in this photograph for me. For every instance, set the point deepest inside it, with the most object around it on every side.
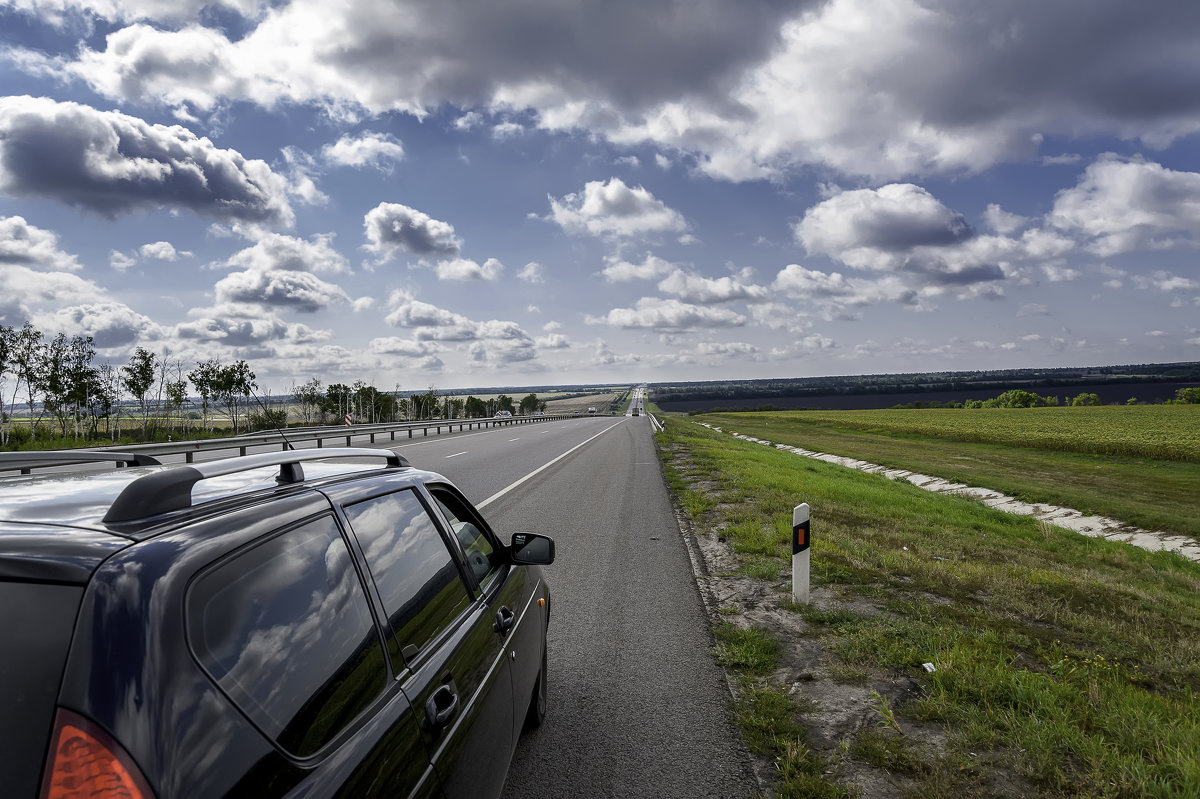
(348, 440)
(800, 557)
(242, 451)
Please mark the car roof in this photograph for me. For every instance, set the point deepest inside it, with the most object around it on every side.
(53, 526)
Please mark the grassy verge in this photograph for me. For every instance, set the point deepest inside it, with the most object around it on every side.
(1062, 663)
(1155, 494)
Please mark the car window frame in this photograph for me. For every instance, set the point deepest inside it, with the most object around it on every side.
(495, 578)
(403, 665)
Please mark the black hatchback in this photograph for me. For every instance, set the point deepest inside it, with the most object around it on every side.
(295, 623)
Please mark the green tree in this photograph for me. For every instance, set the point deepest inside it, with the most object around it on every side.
(1188, 396)
(308, 397)
(1085, 399)
(337, 401)
(234, 382)
(529, 404)
(505, 403)
(475, 408)
(137, 377)
(68, 379)
(25, 356)
(204, 380)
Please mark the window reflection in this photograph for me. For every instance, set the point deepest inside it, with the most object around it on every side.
(421, 588)
(285, 630)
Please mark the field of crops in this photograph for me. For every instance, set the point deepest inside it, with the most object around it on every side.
(1164, 432)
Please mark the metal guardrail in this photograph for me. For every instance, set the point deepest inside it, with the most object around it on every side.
(317, 436)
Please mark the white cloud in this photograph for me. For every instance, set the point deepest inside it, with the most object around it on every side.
(463, 269)
(120, 262)
(238, 325)
(162, 251)
(112, 325)
(659, 314)
(1121, 205)
(368, 149)
(274, 251)
(78, 155)
(1002, 221)
(24, 244)
(651, 268)
(532, 272)
(24, 291)
(613, 208)
(300, 291)
(491, 343)
(883, 88)
(392, 228)
(695, 288)
(1033, 309)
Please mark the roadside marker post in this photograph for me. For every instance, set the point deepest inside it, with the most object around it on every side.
(800, 543)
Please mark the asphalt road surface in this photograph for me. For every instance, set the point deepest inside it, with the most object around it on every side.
(637, 706)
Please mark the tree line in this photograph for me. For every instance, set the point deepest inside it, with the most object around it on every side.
(67, 395)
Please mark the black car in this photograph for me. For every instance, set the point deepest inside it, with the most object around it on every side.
(275, 624)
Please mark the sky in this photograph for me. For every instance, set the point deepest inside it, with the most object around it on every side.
(455, 193)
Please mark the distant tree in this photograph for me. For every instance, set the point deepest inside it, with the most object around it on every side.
(204, 379)
(308, 396)
(1188, 396)
(234, 382)
(529, 404)
(68, 379)
(1085, 399)
(505, 403)
(1131, 401)
(137, 377)
(475, 408)
(1017, 398)
(25, 356)
(424, 406)
(337, 402)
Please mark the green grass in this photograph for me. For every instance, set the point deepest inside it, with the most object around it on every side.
(1152, 493)
(1069, 662)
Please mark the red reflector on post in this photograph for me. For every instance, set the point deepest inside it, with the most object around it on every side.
(85, 762)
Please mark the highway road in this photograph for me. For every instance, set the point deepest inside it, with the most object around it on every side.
(637, 706)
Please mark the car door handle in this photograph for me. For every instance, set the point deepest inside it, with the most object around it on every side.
(440, 707)
(504, 620)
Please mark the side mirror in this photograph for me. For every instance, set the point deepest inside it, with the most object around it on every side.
(531, 549)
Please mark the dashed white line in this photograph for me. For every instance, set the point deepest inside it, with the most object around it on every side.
(513, 439)
(455, 455)
(543, 467)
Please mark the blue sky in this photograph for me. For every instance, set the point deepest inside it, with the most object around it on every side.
(530, 192)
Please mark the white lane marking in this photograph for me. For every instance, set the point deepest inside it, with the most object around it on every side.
(455, 455)
(542, 468)
(513, 439)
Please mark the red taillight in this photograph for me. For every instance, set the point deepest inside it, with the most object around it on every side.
(85, 762)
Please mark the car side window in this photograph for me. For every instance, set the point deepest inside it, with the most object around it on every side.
(285, 629)
(482, 557)
(418, 580)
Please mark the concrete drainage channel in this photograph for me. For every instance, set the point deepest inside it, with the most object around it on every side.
(1093, 526)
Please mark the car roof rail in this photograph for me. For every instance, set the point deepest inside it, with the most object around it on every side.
(27, 461)
(171, 489)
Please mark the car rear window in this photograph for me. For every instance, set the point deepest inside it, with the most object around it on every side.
(285, 630)
(421, 587)
(37, 620)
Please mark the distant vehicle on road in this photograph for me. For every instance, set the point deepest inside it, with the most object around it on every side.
(635, 412)
(503, 415)
(592, 410)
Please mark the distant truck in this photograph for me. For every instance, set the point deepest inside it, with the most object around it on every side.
(592, 410)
